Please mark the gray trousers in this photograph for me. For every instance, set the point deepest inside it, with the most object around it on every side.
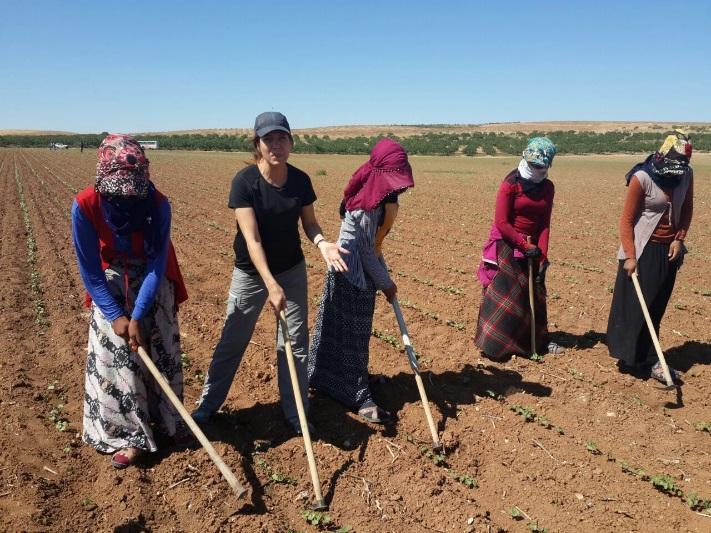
(247, 297)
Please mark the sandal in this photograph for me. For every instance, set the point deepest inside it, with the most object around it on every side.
(371, 412)
(657, 373)
(125, 458)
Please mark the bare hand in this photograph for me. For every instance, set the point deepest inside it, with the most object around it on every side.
(630, 266)
(277, 298)
(135, 337)
(331, 253)
(390, 292)
(675, 250)
(120, 327)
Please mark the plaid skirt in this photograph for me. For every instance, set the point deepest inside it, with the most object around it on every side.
(504, 325)
(123, 404)
(338, 358)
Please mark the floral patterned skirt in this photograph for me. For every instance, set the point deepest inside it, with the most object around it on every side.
(123, 404)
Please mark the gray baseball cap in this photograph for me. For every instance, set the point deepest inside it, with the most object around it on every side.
(270, 121)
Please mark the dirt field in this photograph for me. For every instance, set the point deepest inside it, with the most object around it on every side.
(575, 466)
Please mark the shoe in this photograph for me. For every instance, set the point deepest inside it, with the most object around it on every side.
(296, 427)
(555, 348)
(183, 438)
(657, 373)
(201, 417)
(371, 412)
(124, 458)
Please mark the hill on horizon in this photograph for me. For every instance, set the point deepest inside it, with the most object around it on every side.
(407, 130)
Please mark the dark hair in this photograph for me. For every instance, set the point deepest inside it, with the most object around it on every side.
(391, 198)
(256, 154)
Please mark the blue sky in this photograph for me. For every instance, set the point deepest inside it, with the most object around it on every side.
(155, 65)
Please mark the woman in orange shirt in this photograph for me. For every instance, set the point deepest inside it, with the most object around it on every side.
(654, 223)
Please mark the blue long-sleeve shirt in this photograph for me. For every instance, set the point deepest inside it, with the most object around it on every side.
(86, 245)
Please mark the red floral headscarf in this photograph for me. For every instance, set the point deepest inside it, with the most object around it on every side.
(122, 170)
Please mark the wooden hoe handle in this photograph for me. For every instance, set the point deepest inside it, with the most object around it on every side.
(652, 333)
(237, 488)
(320, 502)
(415, 368)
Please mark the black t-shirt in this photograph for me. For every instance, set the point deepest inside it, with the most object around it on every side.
(278, 210)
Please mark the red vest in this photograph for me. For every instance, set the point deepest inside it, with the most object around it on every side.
(89, 202)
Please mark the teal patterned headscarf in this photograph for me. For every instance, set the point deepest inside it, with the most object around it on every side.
(540, 152)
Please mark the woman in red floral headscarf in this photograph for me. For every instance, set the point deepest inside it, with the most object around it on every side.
(338, 359)
(121, 227)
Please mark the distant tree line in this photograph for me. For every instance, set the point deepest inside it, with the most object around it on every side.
(471, 144)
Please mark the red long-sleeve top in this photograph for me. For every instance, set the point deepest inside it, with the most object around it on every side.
(520, 214)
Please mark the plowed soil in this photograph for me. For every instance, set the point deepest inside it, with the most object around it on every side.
(574, 466)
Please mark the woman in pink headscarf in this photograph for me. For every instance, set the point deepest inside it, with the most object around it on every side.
(338, 358)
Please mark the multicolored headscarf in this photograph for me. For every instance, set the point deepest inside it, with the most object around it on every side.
(679, 142)
(122, 170)
(388, 170)
(669, 163)
(540, 152)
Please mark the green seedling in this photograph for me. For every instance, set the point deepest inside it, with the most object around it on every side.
(465, 480)
(543, 421)
(629, 469)
(56, 415)
(516, 513)
(538, 358)
(697, 504)
(666, 484)
(495, 395)
(277, 477)
(528, 414)
(576, 374)
(316, 518)
(386, 337)
(459, 326)
(437, 459)
(703, 426)
(185, 361)
(592, 448)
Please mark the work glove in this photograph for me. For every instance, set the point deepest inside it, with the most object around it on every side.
(541, 276)
(534, 252)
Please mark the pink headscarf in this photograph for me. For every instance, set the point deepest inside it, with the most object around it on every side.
(387, 171)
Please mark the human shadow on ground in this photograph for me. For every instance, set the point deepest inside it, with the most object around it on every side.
(261, 426)
(688, 355)
(137, 525)
(586, 341)
(450, 389)
(255, 429)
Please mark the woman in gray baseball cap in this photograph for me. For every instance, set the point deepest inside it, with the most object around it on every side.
(269, 197)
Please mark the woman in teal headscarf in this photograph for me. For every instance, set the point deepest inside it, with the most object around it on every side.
(520, 232)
